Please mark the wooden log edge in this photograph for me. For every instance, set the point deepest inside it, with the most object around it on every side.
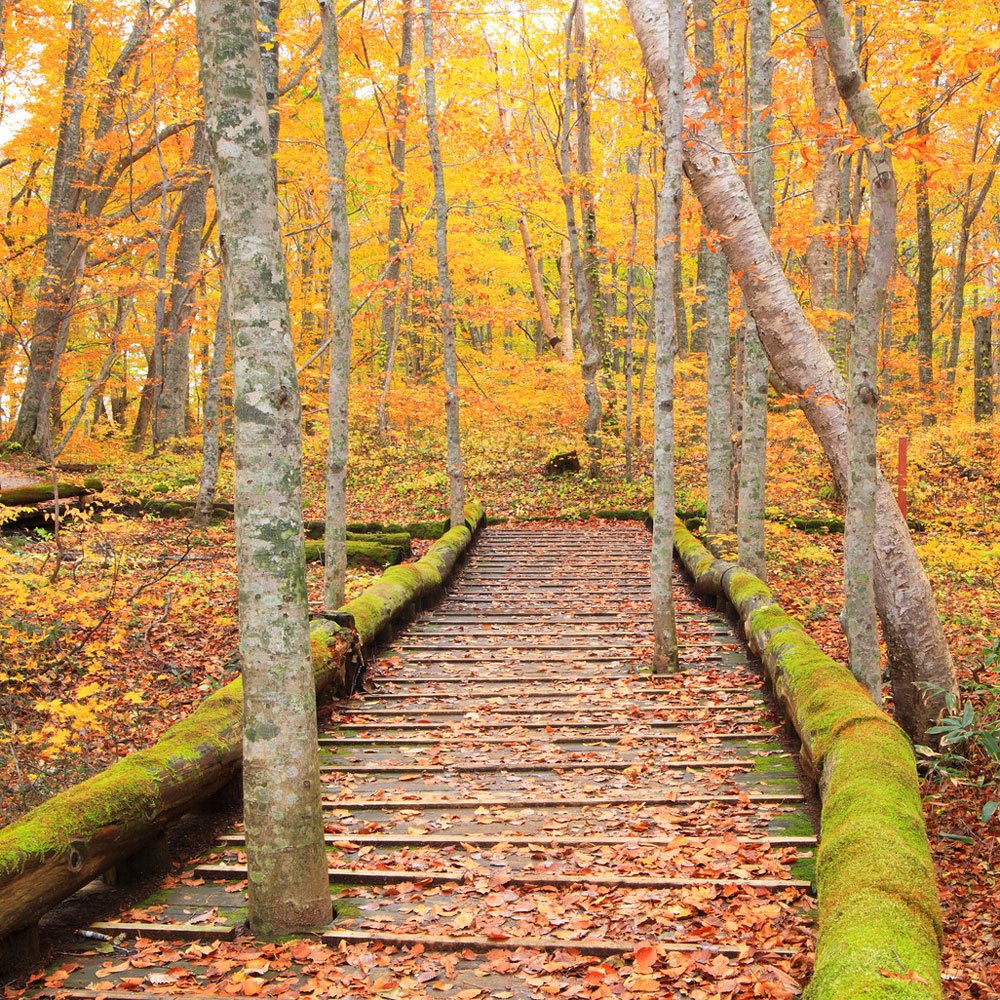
(878, 897)
(57, 848)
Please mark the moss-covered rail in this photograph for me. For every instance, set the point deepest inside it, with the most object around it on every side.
(879, 916)
(84, 831)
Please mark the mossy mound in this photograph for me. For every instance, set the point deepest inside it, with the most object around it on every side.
(879, 914)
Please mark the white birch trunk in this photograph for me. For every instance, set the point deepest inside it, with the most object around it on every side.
(565, 346)
(720, 515)
(918, 651)
(210, 416)
(335, 537)
(753, 422)
(670, 22)
(860, 620)
(286, 856)
(456, 478)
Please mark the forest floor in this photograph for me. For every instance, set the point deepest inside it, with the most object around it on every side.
(159, 598)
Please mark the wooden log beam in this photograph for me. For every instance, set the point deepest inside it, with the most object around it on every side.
(83, 831)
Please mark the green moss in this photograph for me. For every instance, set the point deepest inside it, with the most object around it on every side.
(345, 906)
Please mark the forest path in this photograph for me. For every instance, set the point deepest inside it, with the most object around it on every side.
(514, 810)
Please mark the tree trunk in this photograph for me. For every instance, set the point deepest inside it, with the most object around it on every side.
(565, 346)
(210, 416)
(753, 421)
(632, 165)
(925, 278)
(286, 857)
(582, 291)
(456, 478)
(918, 651)
(820, 253)
(720, 518)
(983, 368)
(671, 22)
(170, 417)
(860, 620)
(335, 540)
(63, 248)
(390, 304)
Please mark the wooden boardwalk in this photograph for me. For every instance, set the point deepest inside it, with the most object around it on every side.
(515, 810)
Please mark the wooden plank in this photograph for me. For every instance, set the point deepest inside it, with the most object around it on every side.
(459, 740)
(543, 839)
(168, 932)
(573, 711)
(477, 724)
(653, 798)
(551, 768)
(598, 947)
(396, 876)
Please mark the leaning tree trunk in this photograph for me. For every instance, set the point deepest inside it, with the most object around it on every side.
(456, 478)
(860, 620)
(918, 651)
(672, 23)
(753, 449)
(335, 539)
(720, 515)
(286, 856)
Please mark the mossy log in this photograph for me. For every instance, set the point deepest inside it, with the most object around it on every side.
(361, 553)
(879, 914)
(76, 835)
(24, 496)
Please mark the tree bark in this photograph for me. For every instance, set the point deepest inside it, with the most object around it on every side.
(170, 418)
(982, 407)
(918, 651)
(210, 444)
(582, 291)
(671, 22)
(860, 619)
(720, 517)
(63, 248)
(925, 279)
(565, 346)
(335, 561)
(286, 857)
(753, 422)
(456, 477)
(819, 253)
(390, 304)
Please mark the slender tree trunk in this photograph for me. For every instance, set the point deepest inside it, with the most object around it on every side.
(860, 618)
(714, 271)
(565, 347)
(630, 277)
(390, 304)
(456, 477)
(671, 21)
(335, 538)
(286, 856)
(582, 291)
(170, 418)
(983, 368)
(820, 251)
(753, 450)
(210, 416)
(918, 651)
(63, 248)
(925, 278)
